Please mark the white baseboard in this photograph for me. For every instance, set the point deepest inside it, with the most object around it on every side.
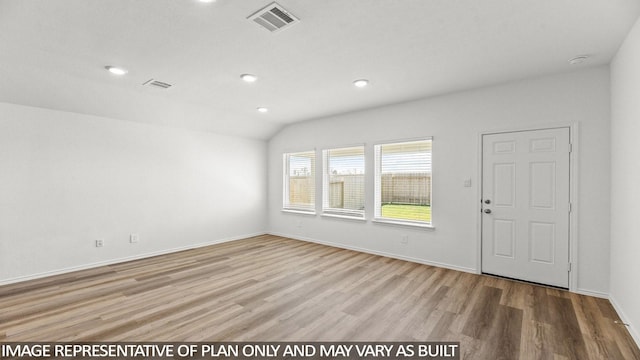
(381, 253)
(632, 329)
(124, 259)
(597, 294)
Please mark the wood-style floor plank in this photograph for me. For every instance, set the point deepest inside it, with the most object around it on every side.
(269, 288)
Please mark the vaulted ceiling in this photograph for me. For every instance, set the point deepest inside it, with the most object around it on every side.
(53, 54)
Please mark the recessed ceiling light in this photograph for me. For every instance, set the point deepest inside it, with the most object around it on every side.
(578, 59)
(116, 70)
(361, 83)
(207, 1)
(262, 109)
(249, 77)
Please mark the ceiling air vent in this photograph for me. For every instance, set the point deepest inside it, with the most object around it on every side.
(157, 84)
(274, 17)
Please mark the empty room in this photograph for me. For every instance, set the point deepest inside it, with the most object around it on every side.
(322, 175)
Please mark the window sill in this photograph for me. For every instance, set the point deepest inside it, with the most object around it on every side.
(299, 212)
(404, 223)
(345, 217)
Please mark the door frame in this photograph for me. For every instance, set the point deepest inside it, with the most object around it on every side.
(573, 191)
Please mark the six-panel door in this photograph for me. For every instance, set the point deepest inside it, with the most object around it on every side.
(525, 204)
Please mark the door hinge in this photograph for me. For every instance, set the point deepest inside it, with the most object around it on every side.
(570, 148)
(570, 207)
(568, 267)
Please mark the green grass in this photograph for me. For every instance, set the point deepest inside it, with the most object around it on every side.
(407, 212)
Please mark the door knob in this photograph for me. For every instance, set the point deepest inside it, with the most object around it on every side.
(487, 211)
(487, 201)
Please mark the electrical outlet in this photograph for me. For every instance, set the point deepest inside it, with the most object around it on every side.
(99, 243)
(405, 239)
(134, 238)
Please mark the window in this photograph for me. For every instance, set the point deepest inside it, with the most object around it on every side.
(403, 182)
(299, 181)
(343, 185)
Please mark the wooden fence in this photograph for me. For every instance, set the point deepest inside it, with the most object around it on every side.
(300, 191)
(410, 188)
(347, 191)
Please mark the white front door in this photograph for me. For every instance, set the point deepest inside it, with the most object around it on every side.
(525, 205)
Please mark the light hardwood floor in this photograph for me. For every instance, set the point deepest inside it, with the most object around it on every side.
(270, 288)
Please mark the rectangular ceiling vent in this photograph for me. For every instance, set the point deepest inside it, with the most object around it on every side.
(274, 17)
(157, 84)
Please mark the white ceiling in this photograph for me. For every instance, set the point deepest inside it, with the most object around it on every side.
(53, 53)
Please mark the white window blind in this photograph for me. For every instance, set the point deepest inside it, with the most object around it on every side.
(299, 181)
(403, 182)
(343, 185)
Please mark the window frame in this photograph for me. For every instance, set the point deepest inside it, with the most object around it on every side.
(326, 178)
(286, 195)
(377, 194)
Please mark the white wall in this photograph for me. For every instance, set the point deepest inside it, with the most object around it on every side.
(455, 121)
(67, 179)
(625, 181)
